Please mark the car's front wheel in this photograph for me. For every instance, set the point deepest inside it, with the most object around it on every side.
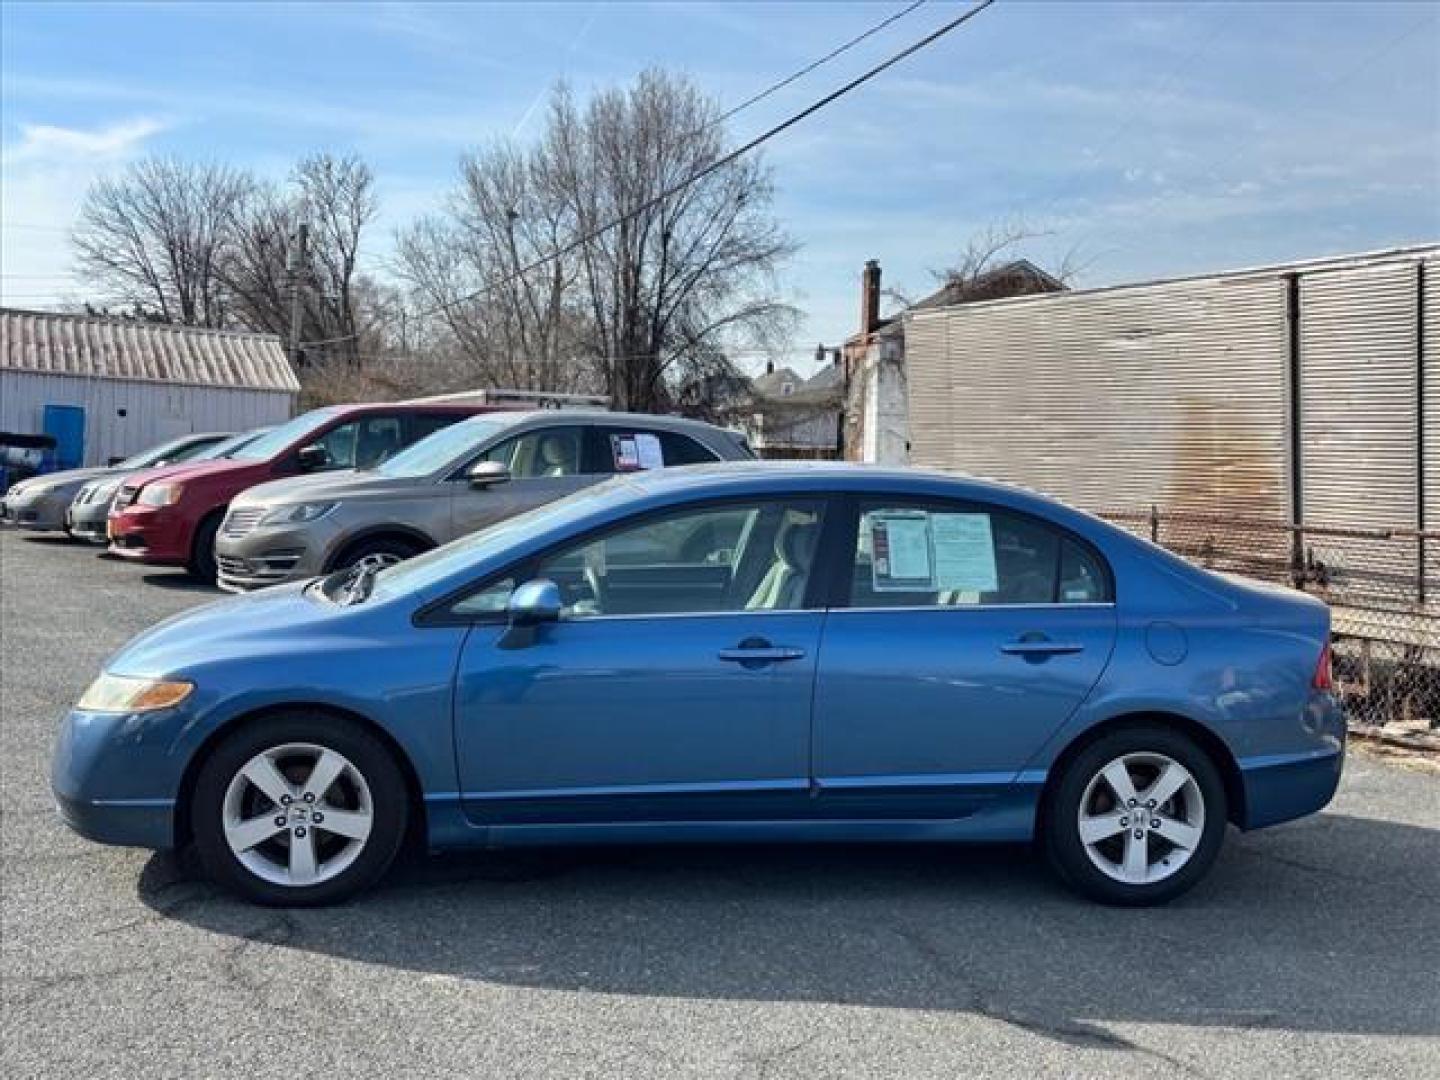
(1137, 817)
(299, 810)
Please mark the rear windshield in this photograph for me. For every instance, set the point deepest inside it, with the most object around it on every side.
(277, 439)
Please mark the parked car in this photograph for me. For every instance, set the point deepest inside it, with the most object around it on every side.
(454, 482)
(40, 502)
(857, 655)
(170, 517)
(89, 511)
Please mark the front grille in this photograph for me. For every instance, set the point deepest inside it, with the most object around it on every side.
(240, 521)
(242, 575)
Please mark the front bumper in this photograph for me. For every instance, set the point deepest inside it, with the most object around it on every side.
(43, 513)
(271, 555)
(89, 522)
(150, 534)
(113, 780)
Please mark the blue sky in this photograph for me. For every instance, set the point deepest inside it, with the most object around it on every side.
(1147, 140)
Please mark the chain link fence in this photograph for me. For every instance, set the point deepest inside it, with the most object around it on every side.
(1382, 585)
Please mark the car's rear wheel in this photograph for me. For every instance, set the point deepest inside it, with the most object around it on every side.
(299, 810)
(1137, 817)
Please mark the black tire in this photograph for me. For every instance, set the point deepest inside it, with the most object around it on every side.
(1060, 830)
(201, 564)
(384, 546)
(371, 758)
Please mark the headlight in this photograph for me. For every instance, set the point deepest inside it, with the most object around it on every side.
(160, 494)
(122, 694)
(298, 514)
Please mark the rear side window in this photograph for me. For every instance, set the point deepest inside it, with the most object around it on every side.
(421, 425)
(958, 555)
(623, 450)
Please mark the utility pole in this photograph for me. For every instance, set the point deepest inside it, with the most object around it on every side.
(296, 267)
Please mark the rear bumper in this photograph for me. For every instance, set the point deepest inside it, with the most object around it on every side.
(1282, 787)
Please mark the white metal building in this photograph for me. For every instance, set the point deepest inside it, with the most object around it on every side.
(139, 383)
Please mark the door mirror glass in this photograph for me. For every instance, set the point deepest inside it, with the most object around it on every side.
(533, 603)
(312, 457)
(485, 473)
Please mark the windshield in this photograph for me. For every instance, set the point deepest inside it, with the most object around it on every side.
(444, 446)
(226, 447)
(425, 570)
(182, 449)
(277, 439)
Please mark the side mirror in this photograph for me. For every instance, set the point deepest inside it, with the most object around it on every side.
(531, 606)
(534, 603)
(113, 461)
(483, 474)
(312, 457)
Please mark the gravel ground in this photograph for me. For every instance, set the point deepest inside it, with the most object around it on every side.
(1313, 949)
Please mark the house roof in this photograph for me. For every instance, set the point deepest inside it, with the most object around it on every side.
(97, 347)
(1018, 277)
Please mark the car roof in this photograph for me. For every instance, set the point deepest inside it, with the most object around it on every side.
(600, 416)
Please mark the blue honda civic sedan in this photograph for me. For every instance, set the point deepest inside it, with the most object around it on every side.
(738, 652)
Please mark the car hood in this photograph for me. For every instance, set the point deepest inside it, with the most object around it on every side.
(189, 471)
(69, 477)
(273, 622)
(329, 487)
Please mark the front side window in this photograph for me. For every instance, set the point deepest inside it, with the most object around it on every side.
(956, 555)
(361, 444)
(549, 452)
(746, 557)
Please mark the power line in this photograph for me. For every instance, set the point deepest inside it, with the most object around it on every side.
(831, 55)
(719, 163)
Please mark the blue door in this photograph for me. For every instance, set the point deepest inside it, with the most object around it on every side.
(66, 424)
(676, 687)
(968, 636)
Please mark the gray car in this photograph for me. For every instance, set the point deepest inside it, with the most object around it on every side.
(90, 509)
(460, 479)
(41, 502)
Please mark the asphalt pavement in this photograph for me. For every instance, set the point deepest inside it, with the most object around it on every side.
(1312, 950)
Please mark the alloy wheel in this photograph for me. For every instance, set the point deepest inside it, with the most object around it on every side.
(297, 814)
(1141, 818)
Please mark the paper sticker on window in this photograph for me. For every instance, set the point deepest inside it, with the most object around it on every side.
(901, 559)
(647, 448)
(964, 553)
(626, 453)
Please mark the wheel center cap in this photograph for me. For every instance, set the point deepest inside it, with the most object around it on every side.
(299, 813)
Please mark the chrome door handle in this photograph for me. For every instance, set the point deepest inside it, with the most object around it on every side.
(1041, 648)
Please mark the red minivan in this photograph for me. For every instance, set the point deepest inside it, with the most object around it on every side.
(169, 516)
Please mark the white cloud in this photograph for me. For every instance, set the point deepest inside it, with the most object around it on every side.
(46, 172)
(46, 142)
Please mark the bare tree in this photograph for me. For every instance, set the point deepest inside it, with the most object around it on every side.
(518, 326)
(154, 238)
(645, 293)
(677, 275)
(334, 197)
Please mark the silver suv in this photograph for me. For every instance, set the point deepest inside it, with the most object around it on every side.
(460, 479)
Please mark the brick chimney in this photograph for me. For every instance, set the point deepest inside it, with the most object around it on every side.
(870, 296)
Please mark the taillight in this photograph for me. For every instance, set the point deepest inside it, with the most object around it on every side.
(1323, 679)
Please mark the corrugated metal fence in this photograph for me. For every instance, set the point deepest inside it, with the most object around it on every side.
(1282, 422)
